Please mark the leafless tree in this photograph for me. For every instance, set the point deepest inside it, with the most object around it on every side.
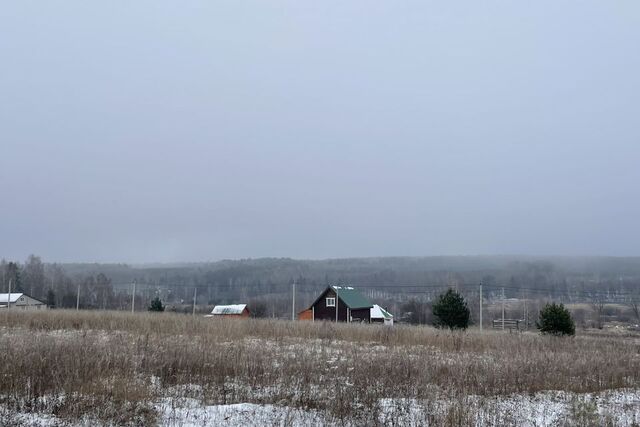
(597, 303)
(634, 304)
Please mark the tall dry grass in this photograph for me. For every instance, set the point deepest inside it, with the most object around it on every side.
(113, 366)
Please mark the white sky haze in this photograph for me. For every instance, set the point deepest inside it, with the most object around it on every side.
(199, 130)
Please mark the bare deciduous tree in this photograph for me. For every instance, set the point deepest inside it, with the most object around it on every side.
(597, 304)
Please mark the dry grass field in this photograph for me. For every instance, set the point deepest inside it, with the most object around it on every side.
(114, 368)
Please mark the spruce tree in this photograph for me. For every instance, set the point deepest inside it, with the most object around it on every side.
(156, 305)
(555, 319)
(451, 311)
(51, 298)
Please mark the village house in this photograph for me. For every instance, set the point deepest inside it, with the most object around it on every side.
(233, 310)
(21, 301)
(342, 304)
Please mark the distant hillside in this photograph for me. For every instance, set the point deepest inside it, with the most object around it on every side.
(269, 280)
(389, 269)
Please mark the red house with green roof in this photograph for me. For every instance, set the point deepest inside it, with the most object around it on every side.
(342, 304)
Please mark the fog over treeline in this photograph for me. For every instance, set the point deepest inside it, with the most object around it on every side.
(157, 131)
(267, 283)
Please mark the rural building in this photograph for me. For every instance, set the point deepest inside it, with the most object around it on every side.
(306, 314)
(380, 315)
(234, 310)
(21, 301)
(342, 304)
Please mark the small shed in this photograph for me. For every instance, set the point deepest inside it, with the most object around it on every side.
(233, 310)
(306, 314)
(21, 301)
(380, 315)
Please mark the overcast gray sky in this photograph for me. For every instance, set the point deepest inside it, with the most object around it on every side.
(172, 131)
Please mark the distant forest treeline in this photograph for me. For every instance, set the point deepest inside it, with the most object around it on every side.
(267, 282)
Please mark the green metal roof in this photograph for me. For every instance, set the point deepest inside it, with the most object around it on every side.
(351, 298)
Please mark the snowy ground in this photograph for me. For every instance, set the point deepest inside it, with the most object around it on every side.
(191, 414)
(619, 408)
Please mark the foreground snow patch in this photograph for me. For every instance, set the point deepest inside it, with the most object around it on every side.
(614, 407)
(9, 418)
(549, 408)
(189, 412)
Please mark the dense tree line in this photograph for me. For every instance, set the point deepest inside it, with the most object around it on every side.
(52, 284)
(266, 283)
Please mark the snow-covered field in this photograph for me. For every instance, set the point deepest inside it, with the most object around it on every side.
(552, 408)
(71, 369)
(618, 408)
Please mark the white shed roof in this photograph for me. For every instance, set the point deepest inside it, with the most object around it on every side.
(14, 297)
(229, 309)
(378, 312)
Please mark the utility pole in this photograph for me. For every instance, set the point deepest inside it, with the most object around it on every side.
(195, 295)
(293, 303)
(9, 296)
(78, 298)
(133, 298)
(503, 309)
(480, 307)
(525, 314)
(337, 303)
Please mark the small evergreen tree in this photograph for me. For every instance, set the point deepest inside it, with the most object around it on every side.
(451, 311)
(258, 309)
(14, 275)
(51, 298)
(156, 305)
(555, 319)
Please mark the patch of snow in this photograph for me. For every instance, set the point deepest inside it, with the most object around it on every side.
(30, 419)
(550, 408)
(190, 413)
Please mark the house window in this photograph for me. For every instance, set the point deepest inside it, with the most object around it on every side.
(331, 302)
